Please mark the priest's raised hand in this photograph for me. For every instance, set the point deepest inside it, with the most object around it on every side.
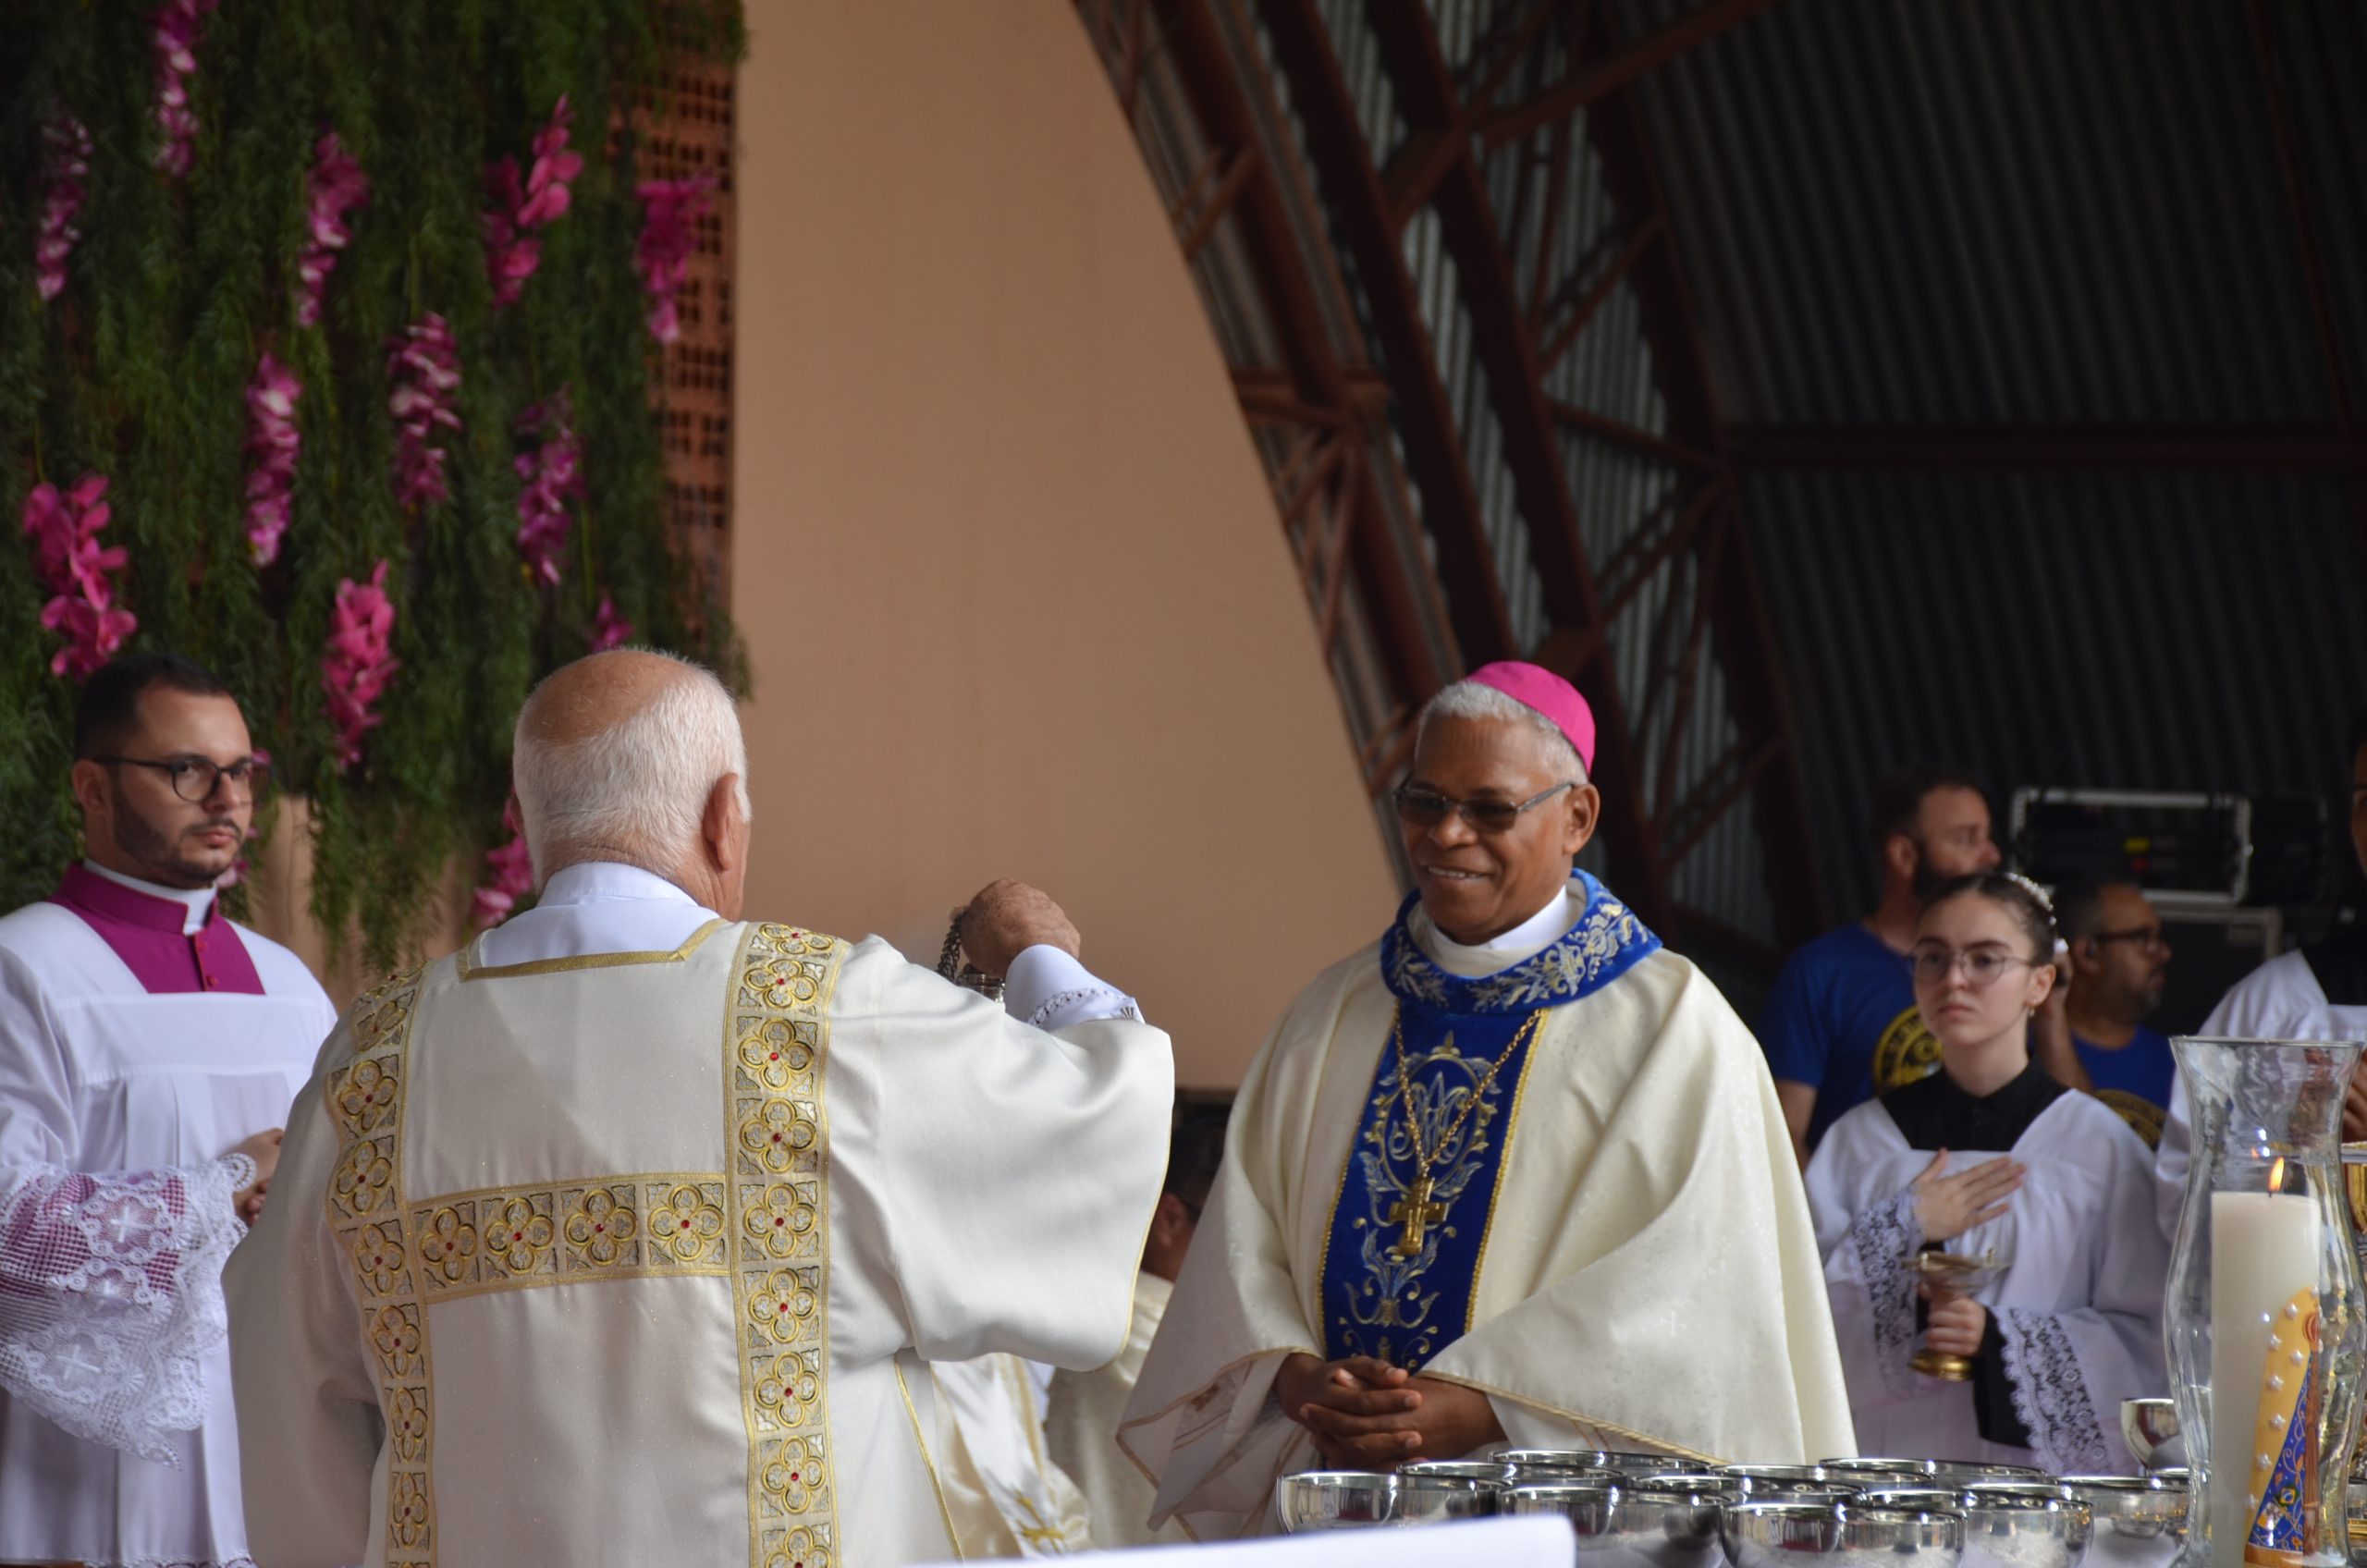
(1006, 918)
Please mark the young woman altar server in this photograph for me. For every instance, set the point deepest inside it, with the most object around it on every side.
(1989, 1159)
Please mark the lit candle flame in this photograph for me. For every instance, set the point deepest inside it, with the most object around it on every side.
(2276, 1175)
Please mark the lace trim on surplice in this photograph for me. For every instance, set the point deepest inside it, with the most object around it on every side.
(111, 1295)
(1885, 1238)
(2051, 1393)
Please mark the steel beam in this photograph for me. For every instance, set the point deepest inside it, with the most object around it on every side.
(1873, 448)
(1608, 75)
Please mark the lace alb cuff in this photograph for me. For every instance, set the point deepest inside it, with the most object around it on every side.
(1886, 1238)
(115, 1296)
(2051, 1395)
(1084, 1005)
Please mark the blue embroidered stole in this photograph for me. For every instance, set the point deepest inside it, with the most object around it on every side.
(1399, 1278)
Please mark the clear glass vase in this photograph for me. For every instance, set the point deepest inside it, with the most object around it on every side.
(2264, 1316)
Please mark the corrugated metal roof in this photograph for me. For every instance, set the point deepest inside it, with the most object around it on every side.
(2030, 213)
(2023, 211)
(2174, 632)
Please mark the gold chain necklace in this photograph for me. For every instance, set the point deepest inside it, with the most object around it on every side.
(1415, 1211)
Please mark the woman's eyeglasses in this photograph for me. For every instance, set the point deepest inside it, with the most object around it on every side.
(1982, 966)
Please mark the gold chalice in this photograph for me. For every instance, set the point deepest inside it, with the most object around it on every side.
(1946, 1275)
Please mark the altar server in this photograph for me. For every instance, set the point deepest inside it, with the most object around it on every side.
(2316, 992)
(1992, 1159)
(1514, 1172)
(624, 1235)
(148, 1049)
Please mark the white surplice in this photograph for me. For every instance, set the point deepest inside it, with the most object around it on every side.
(1651, 1276)
(117, 1105)
(2078, 1308)
(626, 1234)
(1081, 1430)
(2280, 1000)
(1004, 1495)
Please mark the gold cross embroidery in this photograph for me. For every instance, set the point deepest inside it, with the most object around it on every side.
(1417, 1213)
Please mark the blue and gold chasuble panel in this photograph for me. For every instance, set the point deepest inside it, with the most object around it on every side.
(1409, 1225)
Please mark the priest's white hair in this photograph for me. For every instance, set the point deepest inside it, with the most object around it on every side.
(637, 790)
(1469, 699)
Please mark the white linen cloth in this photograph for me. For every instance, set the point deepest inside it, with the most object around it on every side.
(1081, 1429)
(1651, 1276)
(947, 1181)
(2079, 1308)
(118, 1442)
(2280, 1000)
(1004, 1496)
(1538, 1542)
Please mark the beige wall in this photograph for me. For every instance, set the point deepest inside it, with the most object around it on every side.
(1012, 587)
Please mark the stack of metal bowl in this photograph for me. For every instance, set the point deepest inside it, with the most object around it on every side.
(1648, 1510)
(1785, 1532)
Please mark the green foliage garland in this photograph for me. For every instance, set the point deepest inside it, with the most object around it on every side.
(139, 371)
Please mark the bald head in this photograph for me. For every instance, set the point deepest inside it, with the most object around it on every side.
(630, 756)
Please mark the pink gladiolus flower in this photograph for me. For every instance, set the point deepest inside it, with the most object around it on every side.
(66, 165)
(360, 660)
(512, 251)
(609, 629)
(425, 369)
(553, 472)
(336, 188)
(669, 208)
(174, 37)
(71, 562)
(513, 878)
(272, 443)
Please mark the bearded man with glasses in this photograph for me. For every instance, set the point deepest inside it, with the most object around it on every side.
(2119, 962)
(1514, 1174)
(149, 1052)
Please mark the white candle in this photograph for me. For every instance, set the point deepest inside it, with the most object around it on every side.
(2263, 1248)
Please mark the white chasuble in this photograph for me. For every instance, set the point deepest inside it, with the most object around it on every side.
(1080, 1430)
(1004, 1495)
(637, 1256)
(1644, 1273)
(2075, 1317)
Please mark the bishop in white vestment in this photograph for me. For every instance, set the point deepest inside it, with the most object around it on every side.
(1539, 1165)
(624, 1235)
(149, 1047)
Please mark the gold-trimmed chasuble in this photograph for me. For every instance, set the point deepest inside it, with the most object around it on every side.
(763, 1220)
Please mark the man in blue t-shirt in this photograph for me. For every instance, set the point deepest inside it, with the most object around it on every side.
(2119, 962)
(1841, 1026)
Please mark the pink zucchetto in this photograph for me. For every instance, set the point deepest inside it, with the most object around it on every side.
(1550, 695)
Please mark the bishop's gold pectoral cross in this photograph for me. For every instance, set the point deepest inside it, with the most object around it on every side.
(1417, 1213)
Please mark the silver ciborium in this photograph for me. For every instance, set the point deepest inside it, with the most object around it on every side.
(1334, 1500)
(1847, 1533)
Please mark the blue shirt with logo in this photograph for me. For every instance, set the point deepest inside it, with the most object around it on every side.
(1842, 1019)
(2134, 1080)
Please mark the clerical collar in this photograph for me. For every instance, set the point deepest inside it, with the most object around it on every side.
(1600, 942)
(1531, 937)
(608, 881)
(1937, 1112)
(196, 904)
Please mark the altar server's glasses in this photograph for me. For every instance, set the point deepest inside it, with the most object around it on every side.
(1982, 965)
(1427, 808)
(195, 778)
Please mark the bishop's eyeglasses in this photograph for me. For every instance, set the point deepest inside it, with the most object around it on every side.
(1418, 807)
(194, 780)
